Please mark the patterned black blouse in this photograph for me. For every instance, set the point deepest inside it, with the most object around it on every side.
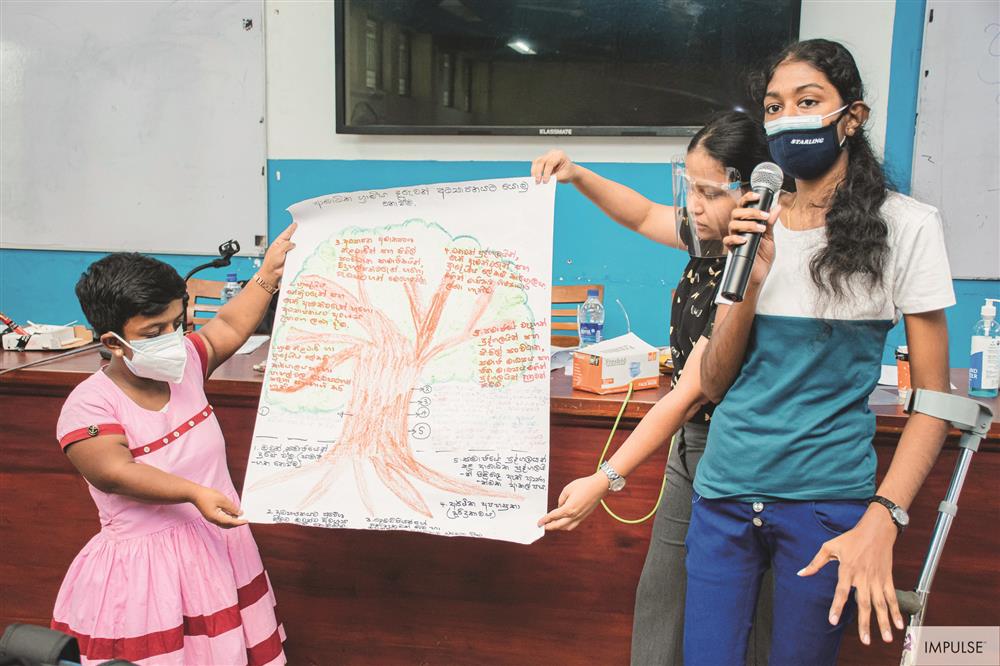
(692, 314)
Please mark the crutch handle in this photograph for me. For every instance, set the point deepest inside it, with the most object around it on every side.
(909, 602)
(970, 416)
(973, 419)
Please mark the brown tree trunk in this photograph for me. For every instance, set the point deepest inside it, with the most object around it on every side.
(377, 432)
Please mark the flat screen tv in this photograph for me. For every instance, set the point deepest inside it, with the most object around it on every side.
(590, 67)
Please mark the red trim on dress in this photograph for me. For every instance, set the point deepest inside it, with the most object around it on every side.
(266, 651)
(175, 434)
(90, 431)
(131, 649)
(156, 643)
(199, 347)
(215, 624)
(250, 593)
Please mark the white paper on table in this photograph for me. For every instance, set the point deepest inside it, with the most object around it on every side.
(562, 357)
(883, 397)
(890, 377)
(407, 385)
(252, 343)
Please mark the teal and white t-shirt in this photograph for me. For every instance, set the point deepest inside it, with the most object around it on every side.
(795, 425)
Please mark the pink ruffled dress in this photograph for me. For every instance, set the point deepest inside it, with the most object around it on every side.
(159, 584)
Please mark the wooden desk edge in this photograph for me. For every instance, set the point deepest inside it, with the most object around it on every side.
(236, 384)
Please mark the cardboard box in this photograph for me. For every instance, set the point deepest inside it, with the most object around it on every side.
(46, 336)
(610, 365)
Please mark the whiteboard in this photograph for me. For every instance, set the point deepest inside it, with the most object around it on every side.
(135, 126)
(956, 154)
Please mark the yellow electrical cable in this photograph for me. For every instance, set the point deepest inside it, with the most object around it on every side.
(607, 444)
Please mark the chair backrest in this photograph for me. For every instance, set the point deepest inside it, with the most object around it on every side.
(198, 292)
(569, 295)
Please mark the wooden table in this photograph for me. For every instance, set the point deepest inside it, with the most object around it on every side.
(350, 596)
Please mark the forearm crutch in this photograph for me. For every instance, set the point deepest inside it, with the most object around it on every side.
(973, 420)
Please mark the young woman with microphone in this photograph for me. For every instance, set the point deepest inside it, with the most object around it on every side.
(706, 190)
(787, 482)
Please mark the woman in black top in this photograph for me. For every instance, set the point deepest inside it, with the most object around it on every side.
(704, 195)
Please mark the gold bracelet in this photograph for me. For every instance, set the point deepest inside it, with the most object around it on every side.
(269, 288)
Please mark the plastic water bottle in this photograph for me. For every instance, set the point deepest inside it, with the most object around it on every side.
(984, 362)
(230, 289)
(590, 319)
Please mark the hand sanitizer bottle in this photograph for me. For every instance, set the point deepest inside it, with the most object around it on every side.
(984, 362)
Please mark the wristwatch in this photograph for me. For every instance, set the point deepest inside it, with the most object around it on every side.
(896, 512)
(615, 480)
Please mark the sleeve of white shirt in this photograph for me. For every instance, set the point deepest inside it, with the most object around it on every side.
(922, 277)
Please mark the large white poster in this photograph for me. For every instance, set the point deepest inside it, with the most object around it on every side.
(407, 386)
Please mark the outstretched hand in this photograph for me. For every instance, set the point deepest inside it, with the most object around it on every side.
(553, 163)
(274, 260)
(217, 508)
(865, 557)
(577, 500)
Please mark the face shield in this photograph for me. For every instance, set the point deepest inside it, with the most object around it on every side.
(702, 209)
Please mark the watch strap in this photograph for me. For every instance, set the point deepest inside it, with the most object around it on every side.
(890, 507)
(610, 472)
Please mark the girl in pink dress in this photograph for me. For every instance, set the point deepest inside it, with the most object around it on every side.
(174, 576)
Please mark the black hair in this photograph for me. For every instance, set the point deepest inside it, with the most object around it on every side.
(856, 233)
(734, 139)
(123, 285)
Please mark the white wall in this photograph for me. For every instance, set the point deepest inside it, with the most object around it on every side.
(301, 82)
(864, 27)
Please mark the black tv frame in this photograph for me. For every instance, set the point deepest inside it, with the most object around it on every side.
(483, 130)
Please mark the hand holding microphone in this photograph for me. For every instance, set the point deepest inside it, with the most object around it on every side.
(751, 239)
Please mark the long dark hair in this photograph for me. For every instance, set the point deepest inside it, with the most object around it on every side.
(734, 139)
(856, 233)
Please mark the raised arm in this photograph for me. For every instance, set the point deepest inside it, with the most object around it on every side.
(727, 348)
(622, 204)
(239, 318)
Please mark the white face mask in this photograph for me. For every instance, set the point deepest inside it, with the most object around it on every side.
(162, 358)
(797, 123)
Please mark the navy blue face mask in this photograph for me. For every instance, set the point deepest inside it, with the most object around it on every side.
(802, 146)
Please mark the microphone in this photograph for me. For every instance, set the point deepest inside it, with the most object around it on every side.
(766, 181)
(227, 250)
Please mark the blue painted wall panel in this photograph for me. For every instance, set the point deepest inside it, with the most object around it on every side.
(38, 285)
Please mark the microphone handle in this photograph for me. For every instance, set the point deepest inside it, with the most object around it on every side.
(734, 283)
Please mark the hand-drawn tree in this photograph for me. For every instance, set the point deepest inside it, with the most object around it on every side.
(377, 313)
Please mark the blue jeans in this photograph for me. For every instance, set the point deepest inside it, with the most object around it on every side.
(727, 554)
(658, 623)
